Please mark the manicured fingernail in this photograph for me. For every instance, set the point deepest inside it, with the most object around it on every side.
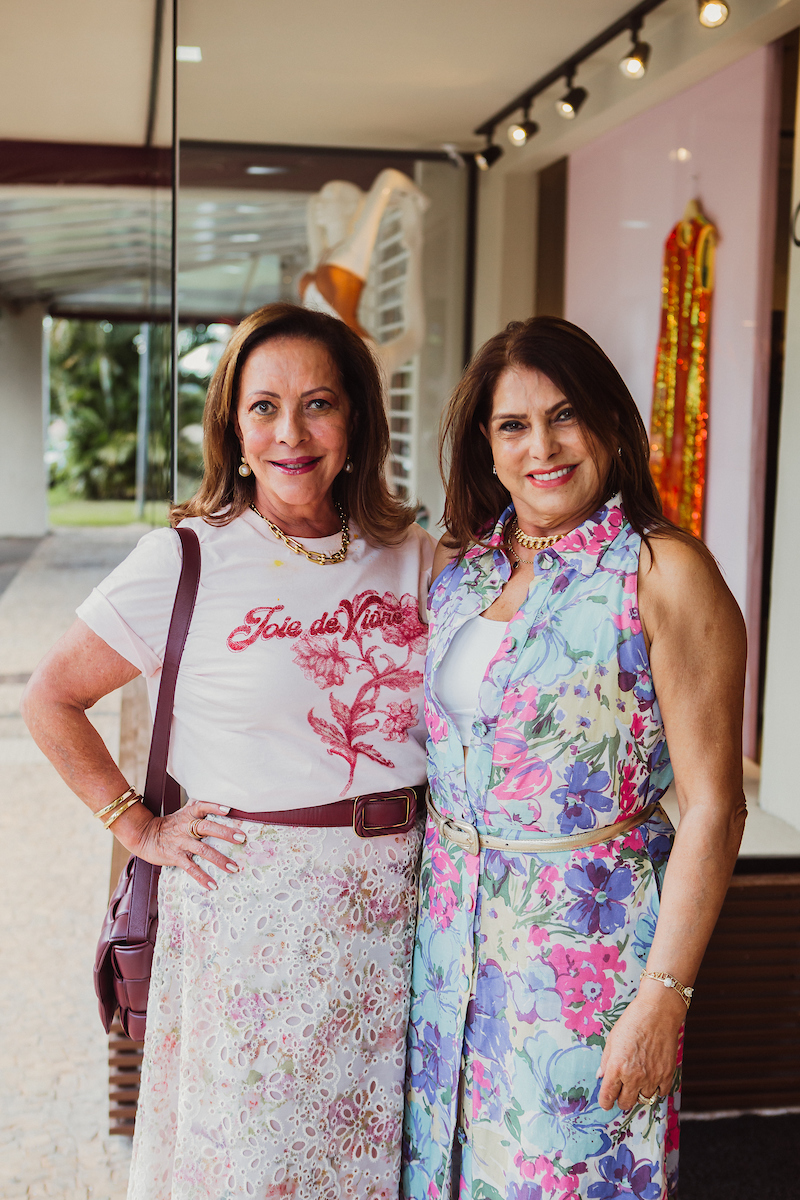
(231, 866)
(223, 808)
(212, 887)
(239, 837)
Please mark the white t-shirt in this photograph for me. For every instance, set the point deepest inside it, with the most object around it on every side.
(299, 683)
(463, 669)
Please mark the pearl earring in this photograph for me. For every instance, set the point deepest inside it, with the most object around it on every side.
(494, 469)
(348, 465)
(245, 469)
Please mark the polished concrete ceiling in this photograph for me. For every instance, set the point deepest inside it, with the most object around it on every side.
(361, 73)
(413, 74)
(377, 73)
(78, 71)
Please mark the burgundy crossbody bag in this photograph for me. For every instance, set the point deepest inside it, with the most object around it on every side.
(125, 950)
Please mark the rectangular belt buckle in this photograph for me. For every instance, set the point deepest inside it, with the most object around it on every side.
(360, 811)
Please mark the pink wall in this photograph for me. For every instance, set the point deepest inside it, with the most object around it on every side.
(626, 191)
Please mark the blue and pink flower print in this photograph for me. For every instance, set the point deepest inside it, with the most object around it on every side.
(524, 962)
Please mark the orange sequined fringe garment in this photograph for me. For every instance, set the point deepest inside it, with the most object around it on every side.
(678, 426)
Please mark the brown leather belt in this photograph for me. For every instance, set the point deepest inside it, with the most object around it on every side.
(370, 815)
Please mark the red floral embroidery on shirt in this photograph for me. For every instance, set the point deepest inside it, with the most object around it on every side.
(321, 659)
(400, 718)
(405, 629)
(325, 661)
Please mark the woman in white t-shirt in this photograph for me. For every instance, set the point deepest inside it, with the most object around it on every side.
(279, 995)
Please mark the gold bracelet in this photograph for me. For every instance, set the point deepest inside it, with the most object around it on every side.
(135, 800)
(669, 981)
(125, 796)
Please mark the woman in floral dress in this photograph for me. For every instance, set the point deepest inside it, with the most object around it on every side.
(574, 633)
(275, 1047)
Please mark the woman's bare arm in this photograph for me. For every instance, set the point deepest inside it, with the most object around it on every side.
(79, 670)
(697, 647)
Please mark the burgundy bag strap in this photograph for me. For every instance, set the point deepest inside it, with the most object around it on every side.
(161, 792)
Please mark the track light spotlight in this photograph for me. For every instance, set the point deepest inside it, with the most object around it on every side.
(712, 13)
(568, 106)
(634, 64)
(522, 131)
(489, 155)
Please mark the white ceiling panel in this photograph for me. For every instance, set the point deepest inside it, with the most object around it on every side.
(78, 71)
(411, 74)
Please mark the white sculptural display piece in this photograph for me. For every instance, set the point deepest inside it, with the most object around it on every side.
(343, 226)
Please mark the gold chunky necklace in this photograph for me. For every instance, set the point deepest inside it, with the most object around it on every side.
(534, 543)
(323, 560)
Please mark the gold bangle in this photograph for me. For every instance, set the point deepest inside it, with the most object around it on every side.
(669, 981)
(125, 796)
(134, 800)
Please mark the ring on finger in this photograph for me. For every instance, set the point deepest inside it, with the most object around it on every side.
(193, 829)
(649, 1101)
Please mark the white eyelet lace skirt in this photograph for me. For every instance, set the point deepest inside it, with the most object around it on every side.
(275, 1048)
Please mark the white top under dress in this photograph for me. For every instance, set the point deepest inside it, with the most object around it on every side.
(299, 683)
(463, 669)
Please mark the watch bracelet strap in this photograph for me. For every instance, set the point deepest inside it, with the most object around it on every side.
(162, 794)
(669, 981)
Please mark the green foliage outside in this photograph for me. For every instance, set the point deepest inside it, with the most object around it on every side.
(194, 374)
(94, 409)
(94, 389)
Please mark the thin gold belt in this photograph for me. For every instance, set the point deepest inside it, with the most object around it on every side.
(467, 837)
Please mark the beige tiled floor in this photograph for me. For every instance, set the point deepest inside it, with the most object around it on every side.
(54, 870)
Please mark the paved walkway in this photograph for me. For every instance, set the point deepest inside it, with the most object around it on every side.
(54, 872)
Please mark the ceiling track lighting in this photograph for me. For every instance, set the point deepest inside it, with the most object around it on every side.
(634, 63)
(712, 13)
(522, 131)
(489, 155)
(568, 106)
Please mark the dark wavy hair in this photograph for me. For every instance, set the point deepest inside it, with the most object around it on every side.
(574, 362)
(365, 496)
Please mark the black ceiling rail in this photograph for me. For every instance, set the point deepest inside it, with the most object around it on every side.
(631, 20)
(278, 148)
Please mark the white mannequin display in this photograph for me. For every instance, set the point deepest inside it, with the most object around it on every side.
(343, 226)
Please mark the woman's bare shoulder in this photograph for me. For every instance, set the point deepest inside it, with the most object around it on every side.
(680, 583)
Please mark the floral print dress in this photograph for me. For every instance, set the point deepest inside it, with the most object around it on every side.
(523, 962)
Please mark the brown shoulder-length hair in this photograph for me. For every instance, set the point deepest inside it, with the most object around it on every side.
(574, 362)
(223, 494)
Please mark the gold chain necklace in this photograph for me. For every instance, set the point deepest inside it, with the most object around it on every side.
(518, 562)
(534, 543)
(323, 560)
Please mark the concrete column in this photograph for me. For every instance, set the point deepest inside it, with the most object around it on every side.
(780, 781)
(506, 259)
(23, 478)
(443, 287)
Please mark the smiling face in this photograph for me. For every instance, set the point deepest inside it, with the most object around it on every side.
(542, 453)
(293, 420)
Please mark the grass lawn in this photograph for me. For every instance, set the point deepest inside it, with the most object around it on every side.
(71, 510)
